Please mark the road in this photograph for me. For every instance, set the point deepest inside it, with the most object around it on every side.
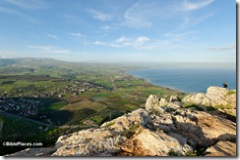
(113, 86)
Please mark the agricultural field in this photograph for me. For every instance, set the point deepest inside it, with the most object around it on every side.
(40, 97)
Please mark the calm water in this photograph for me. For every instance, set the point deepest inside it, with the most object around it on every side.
(188, 80)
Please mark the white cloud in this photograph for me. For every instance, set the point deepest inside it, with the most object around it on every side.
(77, 34)
(189, 20)
(141, 40)
(178, 36)
(185, 10)
(52, 36)
(39, 47)
(125, 42)
(223, 48)
(135, 43)
(122, 39)
(29, 4)
(99, 15)
(188, 6)
(48, 49)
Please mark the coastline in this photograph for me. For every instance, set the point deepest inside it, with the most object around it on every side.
(186, 80)
(152, 83)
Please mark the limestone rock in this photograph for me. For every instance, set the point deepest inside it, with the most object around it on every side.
(222, 148)
(219, 91)
(215, 97)
(152, 104)
(204, 129)
(163, 102)
(89, 143)
(150, 143)
(173, 99)
(106, 140)
(174, 103)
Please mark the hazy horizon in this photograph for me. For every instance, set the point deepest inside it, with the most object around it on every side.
(120, 31)
(176, 65)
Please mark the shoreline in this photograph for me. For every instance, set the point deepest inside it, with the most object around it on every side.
(192, 90)
(148, 81)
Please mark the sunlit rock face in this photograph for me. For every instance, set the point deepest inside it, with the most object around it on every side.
(215, 97)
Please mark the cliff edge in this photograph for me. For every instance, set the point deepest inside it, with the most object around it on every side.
(162, 128)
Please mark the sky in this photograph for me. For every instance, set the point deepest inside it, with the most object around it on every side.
(119, 31)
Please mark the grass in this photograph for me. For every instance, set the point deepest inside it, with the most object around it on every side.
(97, 119)
(53, 107)
(84, 103)
(57, 105)
(48, 105)
(231, 92)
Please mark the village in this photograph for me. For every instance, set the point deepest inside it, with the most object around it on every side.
(27, 102)
(20, 106)
(20, 103)
(67, 89)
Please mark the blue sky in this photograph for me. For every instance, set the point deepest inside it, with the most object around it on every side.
(119, 31)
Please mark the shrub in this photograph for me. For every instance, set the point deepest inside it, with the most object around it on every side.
(173, 153)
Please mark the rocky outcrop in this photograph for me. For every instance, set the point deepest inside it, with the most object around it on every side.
(160, 105)
(163, 102)
(215, 97)
(222, 148)
(147, 132)
(152, 104)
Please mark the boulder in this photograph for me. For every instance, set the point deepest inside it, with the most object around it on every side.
(217, 91)
(150, 143)
(174, 103)
(89, 142)
(163, 102)
(173, 99)
(152, 104)
(204, 129)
